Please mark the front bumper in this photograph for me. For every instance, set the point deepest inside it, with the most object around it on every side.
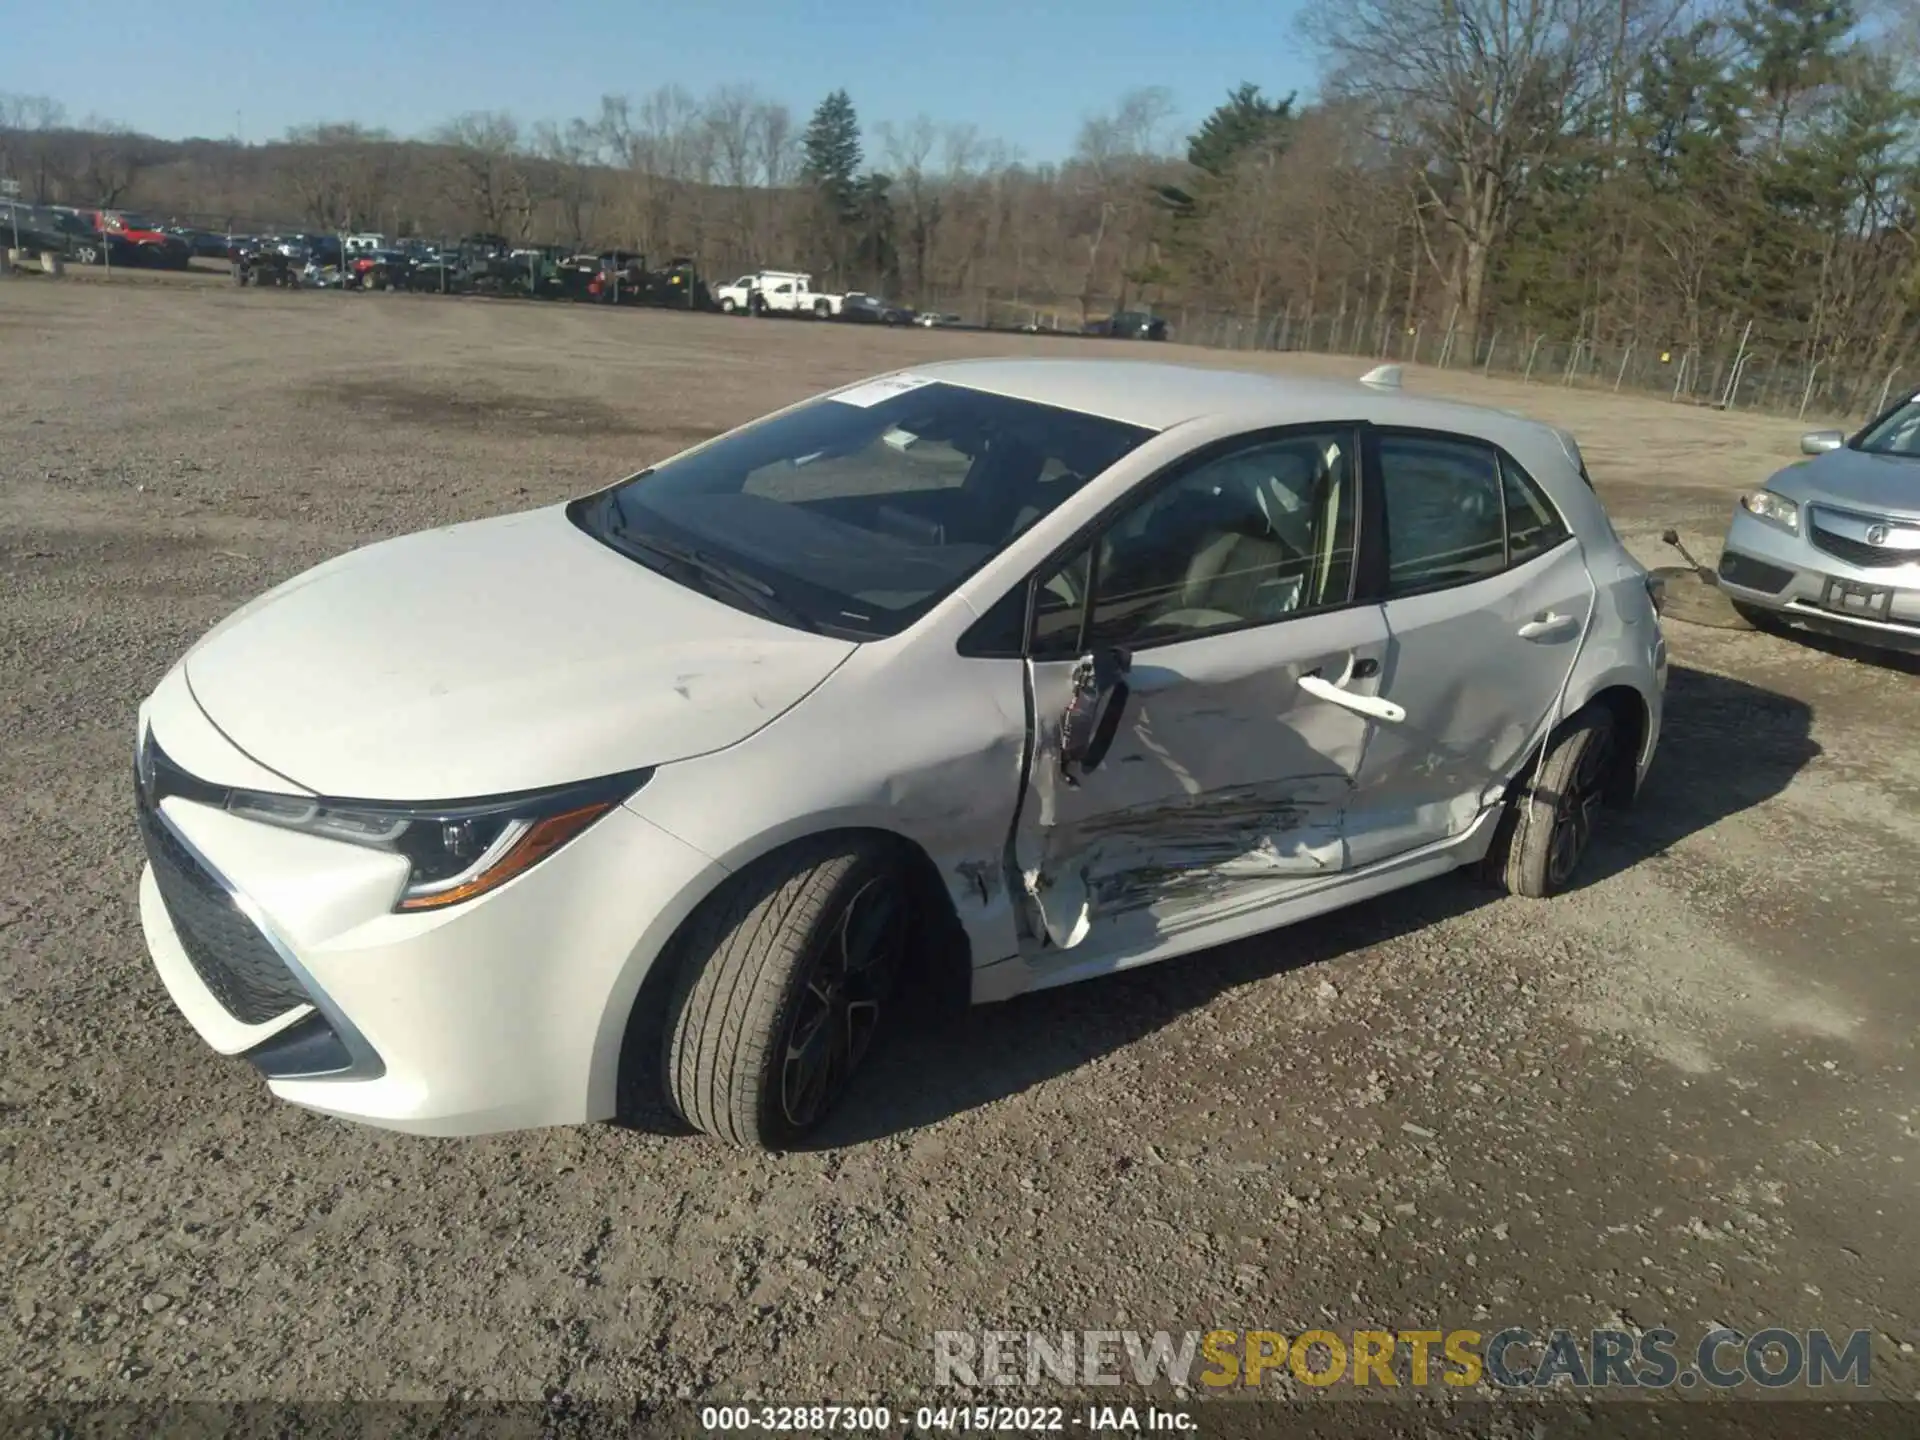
(506, 1012)
(1787, 575)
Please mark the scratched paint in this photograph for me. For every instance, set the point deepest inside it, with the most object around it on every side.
(1178, 856)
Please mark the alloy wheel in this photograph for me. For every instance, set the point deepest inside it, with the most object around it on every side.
(842, 996)
(1574, 810)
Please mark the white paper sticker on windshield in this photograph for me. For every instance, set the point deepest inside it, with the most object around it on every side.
(874, 391)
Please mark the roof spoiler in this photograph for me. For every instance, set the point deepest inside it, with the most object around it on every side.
(1382, 377)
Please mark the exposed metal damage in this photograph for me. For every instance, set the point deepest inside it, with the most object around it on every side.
(1177, 857)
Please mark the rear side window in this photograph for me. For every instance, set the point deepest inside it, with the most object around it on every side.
(1446, 512)
(1459, 510)
(1533, 525)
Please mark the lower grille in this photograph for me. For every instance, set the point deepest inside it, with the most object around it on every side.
(1738, 569)
(1857, 552)
(232, 958)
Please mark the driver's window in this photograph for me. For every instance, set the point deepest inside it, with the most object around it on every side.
(1248, 538)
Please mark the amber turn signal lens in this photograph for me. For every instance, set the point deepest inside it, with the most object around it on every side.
(542, 838)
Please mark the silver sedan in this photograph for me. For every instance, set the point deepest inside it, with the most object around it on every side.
(1832, 543)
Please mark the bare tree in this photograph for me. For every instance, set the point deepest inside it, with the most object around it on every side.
(907, 150)
(31, 151)
(1483, 91)
(731, 111)
(486, 177)
(1111, 166)
(570, 172)
(341, 174)
(111, 159)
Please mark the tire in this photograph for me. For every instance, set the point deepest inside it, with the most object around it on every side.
(87, 254)
(822, 310)
(727, 307)
(1548, 824)
(754, 963)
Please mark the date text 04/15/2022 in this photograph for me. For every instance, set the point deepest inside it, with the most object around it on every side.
(946, 1419)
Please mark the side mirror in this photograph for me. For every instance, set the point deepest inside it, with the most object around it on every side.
(1818, 442)
(1093, 714)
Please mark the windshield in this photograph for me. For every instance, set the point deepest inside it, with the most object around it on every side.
(1897, 434)
(855, 515)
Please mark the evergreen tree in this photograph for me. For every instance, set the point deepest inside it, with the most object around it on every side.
(830, 152)
(832, 146)
(1246, 128)
(1792, 48)
(1245, 120)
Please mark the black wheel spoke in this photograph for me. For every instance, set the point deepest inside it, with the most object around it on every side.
(1576, 807)
(841, 1000)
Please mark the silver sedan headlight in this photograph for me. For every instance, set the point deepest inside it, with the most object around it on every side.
(1772, 508)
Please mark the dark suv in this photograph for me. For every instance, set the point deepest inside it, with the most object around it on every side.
(1130, 325)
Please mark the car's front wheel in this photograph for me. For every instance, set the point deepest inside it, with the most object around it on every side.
(1549, 825)
(788, 980)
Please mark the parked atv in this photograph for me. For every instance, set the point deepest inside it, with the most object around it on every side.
(266, 264)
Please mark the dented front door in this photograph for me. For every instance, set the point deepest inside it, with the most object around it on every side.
(1218, 783)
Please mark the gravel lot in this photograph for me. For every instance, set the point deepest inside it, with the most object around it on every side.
(1685, 1094)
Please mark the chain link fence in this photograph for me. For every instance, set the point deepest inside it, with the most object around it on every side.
(1739, 371)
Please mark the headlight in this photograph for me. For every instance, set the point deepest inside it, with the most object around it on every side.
(1774, 509)
(454, 852)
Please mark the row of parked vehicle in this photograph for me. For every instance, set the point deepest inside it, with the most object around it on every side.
(104, 237)
(478, 264)
(792, 293)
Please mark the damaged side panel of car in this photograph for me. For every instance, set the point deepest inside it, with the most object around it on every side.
(1185, 858)
(1194, 814)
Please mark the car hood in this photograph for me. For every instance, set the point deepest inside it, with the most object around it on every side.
(491, 657)
(1854, 480)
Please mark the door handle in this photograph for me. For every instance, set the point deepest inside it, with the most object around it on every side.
(1372, 706)
(1544, 624)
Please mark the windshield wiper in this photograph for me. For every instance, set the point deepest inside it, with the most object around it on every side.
(716, 574)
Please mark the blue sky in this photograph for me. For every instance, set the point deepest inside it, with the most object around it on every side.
(1022, 71)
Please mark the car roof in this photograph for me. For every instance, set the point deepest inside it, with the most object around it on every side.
(1158, 395)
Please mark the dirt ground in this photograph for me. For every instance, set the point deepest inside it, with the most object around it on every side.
(1685, 1094)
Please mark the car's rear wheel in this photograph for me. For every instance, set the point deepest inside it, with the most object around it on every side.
(1549, 824)
(788, 980)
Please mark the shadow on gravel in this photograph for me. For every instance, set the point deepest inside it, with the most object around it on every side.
(1842, 648)
(943, 1066)
(475, 408)
(1726, 746)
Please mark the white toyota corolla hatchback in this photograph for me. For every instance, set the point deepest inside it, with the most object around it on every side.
(1056, 667)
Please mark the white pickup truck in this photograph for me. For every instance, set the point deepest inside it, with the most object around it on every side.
(777, 292)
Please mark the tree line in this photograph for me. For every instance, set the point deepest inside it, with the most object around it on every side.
(1662, 173)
